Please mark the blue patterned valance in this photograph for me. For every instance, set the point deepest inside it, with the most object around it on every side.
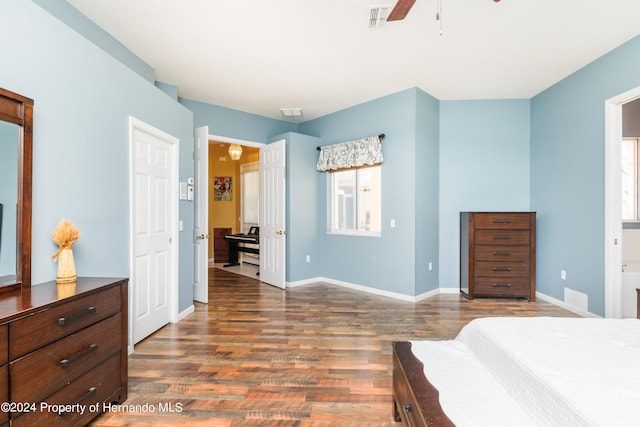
(361, 152)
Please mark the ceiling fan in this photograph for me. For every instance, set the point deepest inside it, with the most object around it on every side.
(402, 8)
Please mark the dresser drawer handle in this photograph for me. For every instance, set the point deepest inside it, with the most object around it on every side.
(84, 396)
(501, 268)
(502, 253)
(65, 362)
(502, 285)
(86, 312)
(407, 409)
(507, 237)
(502, 221)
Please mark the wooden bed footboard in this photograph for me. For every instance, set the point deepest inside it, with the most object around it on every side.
(415, 400)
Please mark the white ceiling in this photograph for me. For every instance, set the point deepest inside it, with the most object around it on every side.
(262, 55)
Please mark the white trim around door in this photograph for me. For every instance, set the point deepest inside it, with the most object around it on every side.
(153, 284)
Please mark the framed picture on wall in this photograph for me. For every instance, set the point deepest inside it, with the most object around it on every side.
(222, 188)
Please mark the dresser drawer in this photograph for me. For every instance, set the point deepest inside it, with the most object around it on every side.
(91, 389)
(505, 220)
(41, 328)
(40, 373)
(502, 237)
(508, 286)
(501, 269)
(4, 344)
(503, 253)
(4, 391)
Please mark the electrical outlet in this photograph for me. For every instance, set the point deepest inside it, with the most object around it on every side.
(563, 275)
(430, 266)
(308, 258)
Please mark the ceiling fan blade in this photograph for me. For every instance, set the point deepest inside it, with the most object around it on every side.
(400, 10)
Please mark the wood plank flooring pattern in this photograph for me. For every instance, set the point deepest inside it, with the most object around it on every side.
(316, 355)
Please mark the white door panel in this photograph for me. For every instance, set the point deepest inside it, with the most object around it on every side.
(273, 214)
(154, 213)
(200, 219)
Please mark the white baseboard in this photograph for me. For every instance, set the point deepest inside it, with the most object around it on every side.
(562, 304)
(425, 295)
(368, 289)
(185, 313)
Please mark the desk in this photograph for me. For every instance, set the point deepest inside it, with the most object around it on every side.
(235, 241)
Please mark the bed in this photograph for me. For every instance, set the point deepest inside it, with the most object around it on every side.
(540, 371)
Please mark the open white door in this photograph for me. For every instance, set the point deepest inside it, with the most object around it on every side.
(273, 214)
(200, 215)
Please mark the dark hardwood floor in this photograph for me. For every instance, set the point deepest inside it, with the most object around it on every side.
(316, 355)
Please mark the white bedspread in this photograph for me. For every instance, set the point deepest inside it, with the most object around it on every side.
(539, 371)
(469, 394)
(564, 371)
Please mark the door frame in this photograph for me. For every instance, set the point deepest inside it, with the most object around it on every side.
(173, 209)
(613, 202)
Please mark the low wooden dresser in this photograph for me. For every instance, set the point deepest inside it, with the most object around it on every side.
(63, 351)
(498, 254)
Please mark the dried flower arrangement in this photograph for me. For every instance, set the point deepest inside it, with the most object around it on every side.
(65, 235)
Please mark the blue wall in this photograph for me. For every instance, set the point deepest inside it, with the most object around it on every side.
(232, 123)
(89, 30)
(9, 139)
(386, 262)
(427, 166)
(441, 157)
(305, 205)
(83, 100)
(567, 172)
(484, 165)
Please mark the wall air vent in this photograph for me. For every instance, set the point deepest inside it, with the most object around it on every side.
(377, 15)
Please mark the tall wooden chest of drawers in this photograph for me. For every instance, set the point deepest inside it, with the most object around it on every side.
(498, 254)
(64, 349)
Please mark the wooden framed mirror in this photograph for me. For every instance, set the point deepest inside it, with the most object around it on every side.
(16, 158)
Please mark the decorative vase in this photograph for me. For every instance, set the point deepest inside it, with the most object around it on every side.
(66, 267)
(65, 290)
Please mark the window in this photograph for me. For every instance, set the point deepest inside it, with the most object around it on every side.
(630, 180)
(355, 201)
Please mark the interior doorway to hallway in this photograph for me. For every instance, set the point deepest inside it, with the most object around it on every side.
(227, 200)
(613, 202)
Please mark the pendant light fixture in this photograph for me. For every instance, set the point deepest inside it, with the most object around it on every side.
(235, 151)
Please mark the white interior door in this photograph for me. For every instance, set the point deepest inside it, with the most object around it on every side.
(273, 214)
(200, 215)
(154, 228)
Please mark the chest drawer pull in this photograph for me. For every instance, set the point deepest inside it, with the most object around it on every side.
(502, 285)
(502, 221)
(407, 409)
(502, 253)
(501, 268)
(65, 362)
(83, 397)
(507, 237)
(79, 315)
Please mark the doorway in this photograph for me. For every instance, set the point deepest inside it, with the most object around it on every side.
(228, 199)
(613, 202)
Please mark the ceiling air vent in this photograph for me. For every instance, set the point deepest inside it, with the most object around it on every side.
(377, 15)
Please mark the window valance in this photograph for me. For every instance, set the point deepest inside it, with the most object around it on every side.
(361, 152)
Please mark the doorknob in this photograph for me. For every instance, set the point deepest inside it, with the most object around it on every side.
(202, 237)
